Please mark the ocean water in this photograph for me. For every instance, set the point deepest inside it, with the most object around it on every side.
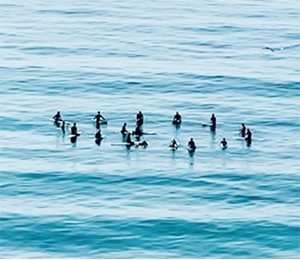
(60, 199)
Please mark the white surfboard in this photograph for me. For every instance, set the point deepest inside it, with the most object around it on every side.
(120, 144)
(173, 148)
(210, 124)
(223, 146)
(102, 122)
(78, 134)
(59, 121)
(239, 138)
(191, 150)
(149, 133)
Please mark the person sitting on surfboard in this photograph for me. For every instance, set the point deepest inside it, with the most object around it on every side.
(139, 119)
(98, 117)
(223, 142)
(248, 137)
(124, 130)
(74, 130)
(57, 117)
(138, 132)
(128, 139)
(249, 134)
(177, 118)
(192, 145)
(173, 144)
(143, 144)
(243, 130)
(213, 121)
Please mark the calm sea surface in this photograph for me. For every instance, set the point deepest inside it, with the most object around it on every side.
(60, 199)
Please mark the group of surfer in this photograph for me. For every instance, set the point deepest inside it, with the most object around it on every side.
(138, 132)
(63, 125)
(244, 132)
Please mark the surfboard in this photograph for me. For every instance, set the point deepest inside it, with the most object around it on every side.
(102, 122)
(78, 134)
(209, 124)
(176, 122)
(191, 150)
(59, 121)
(239, 138)
(223, 147)
(52, 119)
(149, 133)
(204, 125)
(173, 148)
(120, 144)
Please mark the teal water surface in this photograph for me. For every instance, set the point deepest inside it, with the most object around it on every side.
(61, 199)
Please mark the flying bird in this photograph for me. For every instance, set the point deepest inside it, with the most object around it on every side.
(268, 48)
